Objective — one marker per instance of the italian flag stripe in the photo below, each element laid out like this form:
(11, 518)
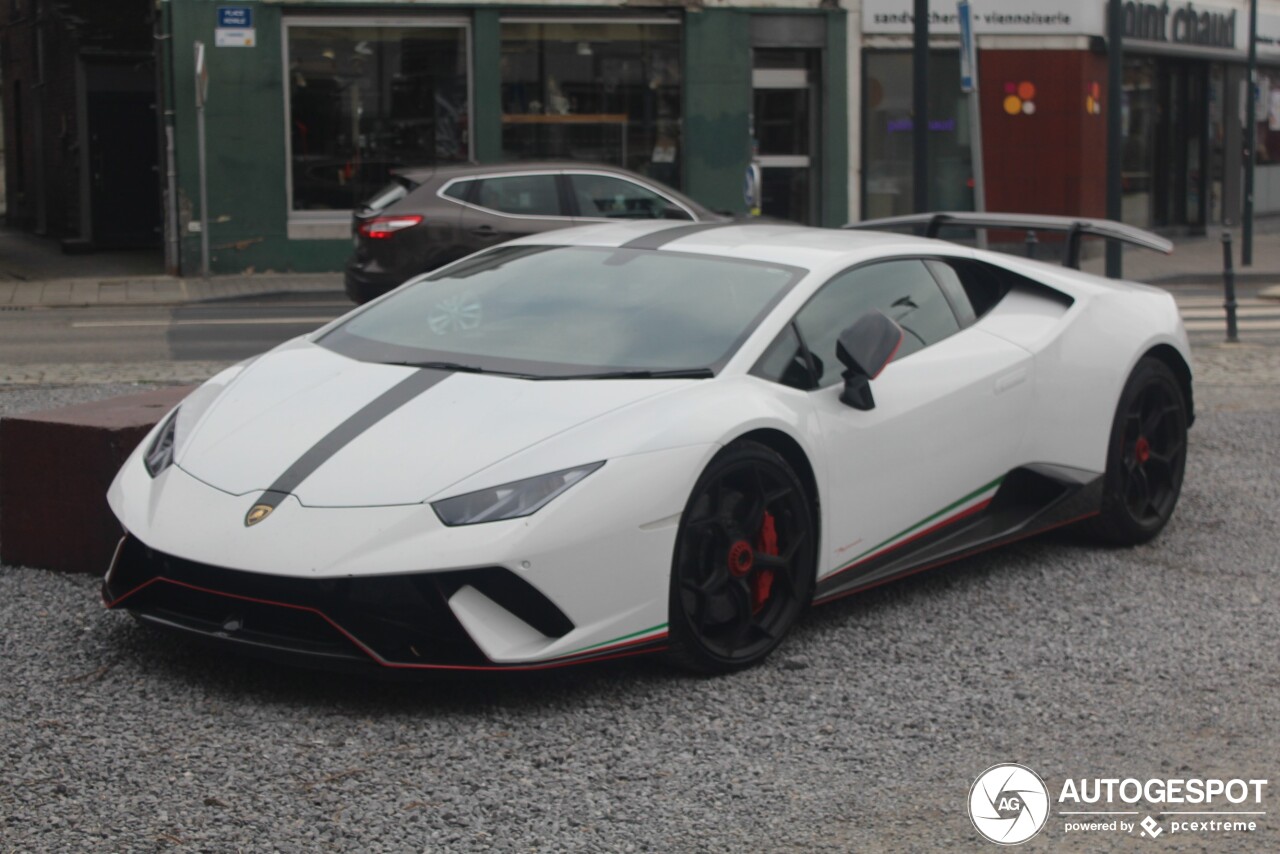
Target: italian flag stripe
(953, 512)
(651, 633)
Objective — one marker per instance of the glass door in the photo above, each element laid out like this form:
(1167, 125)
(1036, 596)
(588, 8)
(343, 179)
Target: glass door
(1183, 146)
(785, 131)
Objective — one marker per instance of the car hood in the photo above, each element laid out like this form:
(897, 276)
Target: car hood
(291, 408)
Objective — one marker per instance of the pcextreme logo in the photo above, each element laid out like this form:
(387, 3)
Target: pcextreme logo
(1009, 804)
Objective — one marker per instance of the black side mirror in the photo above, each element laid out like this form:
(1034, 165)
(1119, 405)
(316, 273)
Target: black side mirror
(864, 349)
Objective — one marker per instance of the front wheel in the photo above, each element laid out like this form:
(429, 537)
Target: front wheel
(743, 569)
(1146, 457)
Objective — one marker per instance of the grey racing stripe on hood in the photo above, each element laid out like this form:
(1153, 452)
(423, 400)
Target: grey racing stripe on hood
(664, 236)
(350, 429)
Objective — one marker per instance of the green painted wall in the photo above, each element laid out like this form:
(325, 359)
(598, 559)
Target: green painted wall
(486, 85)
(717, 106)
(244, 117)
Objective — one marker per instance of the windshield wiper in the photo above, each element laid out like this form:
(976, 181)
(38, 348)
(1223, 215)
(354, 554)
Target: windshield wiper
(462, 368)
(668, 374)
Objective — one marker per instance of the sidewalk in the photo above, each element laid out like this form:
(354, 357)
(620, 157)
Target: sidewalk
(1198, 261)
(162, 290)
(34, 271)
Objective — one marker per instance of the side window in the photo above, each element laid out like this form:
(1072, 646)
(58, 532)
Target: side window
(608, 197)
(459, 190)
(528, 195)
(904, 290)
(984, 284)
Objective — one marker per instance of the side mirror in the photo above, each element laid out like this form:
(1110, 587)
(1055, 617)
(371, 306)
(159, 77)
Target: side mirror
(864, 349)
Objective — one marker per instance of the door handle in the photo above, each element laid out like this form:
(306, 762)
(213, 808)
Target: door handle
(484, 231)
(1013, 378)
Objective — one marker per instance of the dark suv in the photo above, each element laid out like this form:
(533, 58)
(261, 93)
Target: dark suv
(427, 217)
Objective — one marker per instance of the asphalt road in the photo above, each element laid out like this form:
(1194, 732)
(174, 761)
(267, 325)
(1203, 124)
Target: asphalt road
(220, 330)
(864, 732)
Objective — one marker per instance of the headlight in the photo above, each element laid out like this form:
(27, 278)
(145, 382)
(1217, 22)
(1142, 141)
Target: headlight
(159, 455)
(511, 500)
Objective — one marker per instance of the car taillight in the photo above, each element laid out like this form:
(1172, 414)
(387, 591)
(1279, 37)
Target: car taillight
(384, 226)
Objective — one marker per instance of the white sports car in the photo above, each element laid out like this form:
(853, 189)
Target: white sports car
(644, 437)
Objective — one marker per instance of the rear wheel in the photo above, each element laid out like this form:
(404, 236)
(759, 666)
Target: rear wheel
(743, 569)
(1146, 457)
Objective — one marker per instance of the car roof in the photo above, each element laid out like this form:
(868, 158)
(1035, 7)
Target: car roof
(795, 245)
(454, 170)
(443, 173)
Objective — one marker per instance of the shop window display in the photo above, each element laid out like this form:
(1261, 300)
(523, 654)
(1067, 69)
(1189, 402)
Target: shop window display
(364, 100)
(593, 92)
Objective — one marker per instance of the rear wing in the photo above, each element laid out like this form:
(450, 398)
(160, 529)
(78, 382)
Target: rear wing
(1075, 228)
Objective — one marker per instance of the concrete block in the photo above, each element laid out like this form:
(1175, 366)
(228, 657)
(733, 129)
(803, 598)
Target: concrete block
(55, 467)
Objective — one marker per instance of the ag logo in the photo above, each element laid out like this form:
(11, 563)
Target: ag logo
(1008, 804)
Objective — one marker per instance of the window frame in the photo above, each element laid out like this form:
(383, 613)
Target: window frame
(793, 325)
(322, 225)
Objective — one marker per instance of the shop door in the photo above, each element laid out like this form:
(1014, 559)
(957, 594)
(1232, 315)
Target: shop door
(785, 131)
(124, 176)
(1182, 146)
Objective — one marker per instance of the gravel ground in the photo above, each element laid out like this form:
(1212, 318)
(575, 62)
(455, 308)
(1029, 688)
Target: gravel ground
(864, 733)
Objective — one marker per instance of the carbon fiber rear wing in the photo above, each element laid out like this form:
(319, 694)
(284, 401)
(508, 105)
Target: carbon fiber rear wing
(1074, 227)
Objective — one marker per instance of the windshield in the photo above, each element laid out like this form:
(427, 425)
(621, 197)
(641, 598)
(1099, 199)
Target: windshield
(555, 312)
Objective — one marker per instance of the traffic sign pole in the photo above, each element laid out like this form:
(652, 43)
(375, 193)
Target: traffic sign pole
(202, 91)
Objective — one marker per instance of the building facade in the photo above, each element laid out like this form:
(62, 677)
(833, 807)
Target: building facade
(308, 105)
(1043, 68)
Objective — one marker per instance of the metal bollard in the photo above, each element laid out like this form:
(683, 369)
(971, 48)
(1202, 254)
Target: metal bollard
(1030, 244)
(1229, 287)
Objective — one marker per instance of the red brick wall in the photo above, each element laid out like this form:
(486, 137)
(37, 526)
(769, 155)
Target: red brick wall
(1052, 161)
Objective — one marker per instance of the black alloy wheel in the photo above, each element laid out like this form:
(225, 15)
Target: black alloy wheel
(743, 569)
(1146, 457)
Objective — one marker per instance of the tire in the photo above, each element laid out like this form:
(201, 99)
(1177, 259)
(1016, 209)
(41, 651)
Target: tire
(743, 569)
(1146, 457)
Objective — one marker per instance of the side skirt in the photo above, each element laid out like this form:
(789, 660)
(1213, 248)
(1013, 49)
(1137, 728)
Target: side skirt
(1029, 500)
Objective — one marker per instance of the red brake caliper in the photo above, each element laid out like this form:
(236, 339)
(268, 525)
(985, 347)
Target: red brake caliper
(762, 583)
(1142, 450)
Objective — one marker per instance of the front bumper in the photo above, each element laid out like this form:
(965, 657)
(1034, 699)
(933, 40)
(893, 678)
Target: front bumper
(400, 622)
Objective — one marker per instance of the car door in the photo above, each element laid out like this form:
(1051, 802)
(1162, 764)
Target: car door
(945, 427)
(600, 196)
(505, 206)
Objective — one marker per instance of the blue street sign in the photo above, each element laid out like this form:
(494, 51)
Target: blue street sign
(235, 17)
(967, 58)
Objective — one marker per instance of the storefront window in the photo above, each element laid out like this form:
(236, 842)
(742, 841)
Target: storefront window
(366, 99)
(1138, 117)
(597, 92)
(1267, 114)
(888, 129)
